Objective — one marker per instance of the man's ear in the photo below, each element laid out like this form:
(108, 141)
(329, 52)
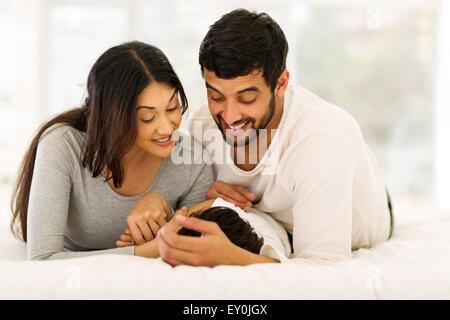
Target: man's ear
(282, 84)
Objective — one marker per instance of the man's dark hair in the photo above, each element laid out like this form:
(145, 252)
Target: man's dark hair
(242, 42)
(235, 228)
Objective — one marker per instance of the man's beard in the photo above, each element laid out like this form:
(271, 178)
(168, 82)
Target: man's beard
(254, 132)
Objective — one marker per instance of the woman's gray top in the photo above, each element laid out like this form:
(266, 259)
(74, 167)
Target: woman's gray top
(71, 214)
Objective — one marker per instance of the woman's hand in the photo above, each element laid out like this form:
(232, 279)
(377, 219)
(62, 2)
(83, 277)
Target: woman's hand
(148, 215)
(238, 195)
(150, 249)
(126, 239)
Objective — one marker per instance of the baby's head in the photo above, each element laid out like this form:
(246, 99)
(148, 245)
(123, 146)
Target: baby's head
(236, 229)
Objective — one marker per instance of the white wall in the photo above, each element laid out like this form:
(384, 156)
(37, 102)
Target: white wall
(48, 47)
(442, 124)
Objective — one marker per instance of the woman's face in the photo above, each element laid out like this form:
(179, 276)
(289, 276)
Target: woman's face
(158, 115)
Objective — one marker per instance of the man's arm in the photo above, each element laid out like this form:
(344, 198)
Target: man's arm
(320, 172)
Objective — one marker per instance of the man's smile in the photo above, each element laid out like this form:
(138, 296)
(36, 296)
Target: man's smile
(235, 129)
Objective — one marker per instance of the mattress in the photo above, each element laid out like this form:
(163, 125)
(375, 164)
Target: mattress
(414, 264)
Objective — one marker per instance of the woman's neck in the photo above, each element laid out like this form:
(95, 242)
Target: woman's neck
(140, 170)
(137, 158)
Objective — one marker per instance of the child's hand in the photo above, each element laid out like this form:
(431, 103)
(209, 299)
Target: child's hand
(126, 239)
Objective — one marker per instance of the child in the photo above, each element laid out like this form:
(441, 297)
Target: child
(235, 228)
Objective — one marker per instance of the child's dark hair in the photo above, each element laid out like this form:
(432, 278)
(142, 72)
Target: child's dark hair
(242, 42)
(236, 229)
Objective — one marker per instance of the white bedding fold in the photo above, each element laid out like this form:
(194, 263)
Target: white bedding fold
(415, 264)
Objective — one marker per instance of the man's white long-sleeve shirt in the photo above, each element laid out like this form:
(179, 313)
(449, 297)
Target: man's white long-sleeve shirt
(318, 178)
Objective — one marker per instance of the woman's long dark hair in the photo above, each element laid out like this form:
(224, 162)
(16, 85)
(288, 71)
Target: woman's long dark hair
(108, 117)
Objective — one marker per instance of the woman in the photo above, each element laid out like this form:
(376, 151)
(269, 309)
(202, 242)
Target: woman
(92, 170)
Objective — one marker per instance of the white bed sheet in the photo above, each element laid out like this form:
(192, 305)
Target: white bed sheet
(414, 264)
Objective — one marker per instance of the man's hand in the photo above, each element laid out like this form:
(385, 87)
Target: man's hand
(238, 195)
(211, 249)
(147, 217)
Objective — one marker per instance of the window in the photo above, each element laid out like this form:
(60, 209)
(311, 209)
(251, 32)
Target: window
(377, 62)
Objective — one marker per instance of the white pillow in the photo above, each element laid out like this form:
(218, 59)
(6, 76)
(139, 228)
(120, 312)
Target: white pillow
(263, 224)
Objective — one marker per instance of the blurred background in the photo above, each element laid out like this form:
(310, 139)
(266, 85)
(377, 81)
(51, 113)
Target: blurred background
(385, 62)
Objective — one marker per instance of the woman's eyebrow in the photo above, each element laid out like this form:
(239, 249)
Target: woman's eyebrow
(152, 108)
(146, 107)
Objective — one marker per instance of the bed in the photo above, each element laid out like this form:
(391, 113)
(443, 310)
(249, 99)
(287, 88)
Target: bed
(414, 264)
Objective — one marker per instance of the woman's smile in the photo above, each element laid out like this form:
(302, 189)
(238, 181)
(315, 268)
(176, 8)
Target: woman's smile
(163, 141)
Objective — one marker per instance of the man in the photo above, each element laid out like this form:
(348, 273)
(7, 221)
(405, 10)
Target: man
(287, 153)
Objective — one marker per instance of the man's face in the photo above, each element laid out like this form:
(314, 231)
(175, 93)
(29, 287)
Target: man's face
(240, 106)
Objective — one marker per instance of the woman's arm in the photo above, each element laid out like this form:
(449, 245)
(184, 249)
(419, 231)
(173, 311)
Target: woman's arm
(48, 208)
(49, 201)
(200, 206)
